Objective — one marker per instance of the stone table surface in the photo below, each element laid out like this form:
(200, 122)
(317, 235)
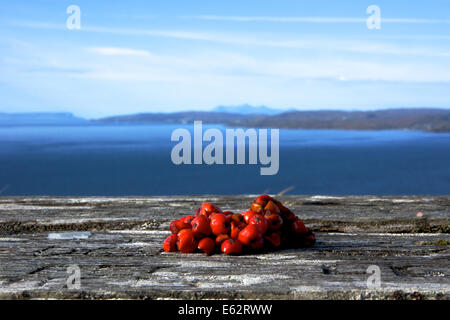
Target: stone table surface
(116, 242)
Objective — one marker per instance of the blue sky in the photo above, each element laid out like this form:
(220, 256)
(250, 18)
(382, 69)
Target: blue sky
(159, 56)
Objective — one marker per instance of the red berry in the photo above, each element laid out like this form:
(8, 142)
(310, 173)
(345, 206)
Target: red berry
(200, 226)
(186, 242)
(231, 246)
(273, 239)
(187, 219)
(169, 244)
(256, 207)
(260, 202)
(206, 245)
(274, 221)
(237, 217)
(208, 208)
(229, 216)
(178, 225)
(259, 220)
(236, 227)
(221, 238)
(272, 208)
(257, 244)
(262, 199)
(249, 234)
(219, 224)
(247, 215)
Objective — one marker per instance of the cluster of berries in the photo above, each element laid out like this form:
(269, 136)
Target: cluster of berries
(268, 225)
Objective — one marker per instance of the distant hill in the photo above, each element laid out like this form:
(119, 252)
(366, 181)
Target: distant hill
(432, 120)
(248, 109)
(177, 117)
(40, 118)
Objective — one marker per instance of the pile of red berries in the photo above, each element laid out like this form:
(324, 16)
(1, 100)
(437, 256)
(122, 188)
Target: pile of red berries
(268, 225)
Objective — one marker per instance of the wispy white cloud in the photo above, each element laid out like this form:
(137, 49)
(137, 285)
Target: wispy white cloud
(277, 19)
(119, 31)
(314, 43)
(415, 20)
(111, 51)
(136, 65)
(314, 19)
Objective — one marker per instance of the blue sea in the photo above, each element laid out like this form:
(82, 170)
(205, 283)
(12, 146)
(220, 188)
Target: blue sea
(119, 160)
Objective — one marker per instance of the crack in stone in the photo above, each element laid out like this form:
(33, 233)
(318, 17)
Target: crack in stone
(38, 269)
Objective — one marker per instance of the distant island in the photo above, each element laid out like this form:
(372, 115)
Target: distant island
(422, 119)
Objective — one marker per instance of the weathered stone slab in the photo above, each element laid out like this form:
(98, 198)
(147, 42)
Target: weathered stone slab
(116, 243)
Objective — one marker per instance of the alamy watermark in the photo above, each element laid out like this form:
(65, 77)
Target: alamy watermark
(73, 282)
(213, 153)
(73, 22)
(374, 280)
(374, 20)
